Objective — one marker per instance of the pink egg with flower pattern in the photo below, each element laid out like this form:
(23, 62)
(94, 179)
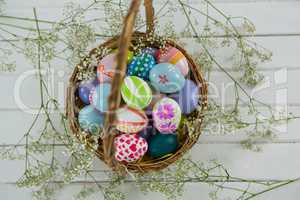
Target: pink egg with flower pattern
(166, 115)
(174, 56)
(106, 68)
(129, 147)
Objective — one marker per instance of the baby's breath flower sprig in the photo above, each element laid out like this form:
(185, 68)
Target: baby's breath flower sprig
(247, 55)
(246, 58)
(150, 39)
(6, 65)
(11, 153)
(39, 172)
(48, 43)
(114, 19)
(171, 181)
(86, 68)
(86, 192)
(47, 191)
(37, 175)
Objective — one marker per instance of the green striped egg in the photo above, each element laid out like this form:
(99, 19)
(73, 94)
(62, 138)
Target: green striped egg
(136, 92)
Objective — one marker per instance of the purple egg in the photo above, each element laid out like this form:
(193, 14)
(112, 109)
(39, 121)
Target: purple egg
(149, 131)
(85, 88)
(187, 97)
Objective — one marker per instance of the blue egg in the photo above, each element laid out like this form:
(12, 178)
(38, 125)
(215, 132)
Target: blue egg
(85, 88)
(141, 65)
(150, 50)
(90, 119)
(99, 96)
(187, 97)
(166, 78)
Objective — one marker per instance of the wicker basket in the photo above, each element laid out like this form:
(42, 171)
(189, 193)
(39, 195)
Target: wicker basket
(105, 150)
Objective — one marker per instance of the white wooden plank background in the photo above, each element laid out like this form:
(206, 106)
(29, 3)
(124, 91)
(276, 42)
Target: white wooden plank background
(278, 29)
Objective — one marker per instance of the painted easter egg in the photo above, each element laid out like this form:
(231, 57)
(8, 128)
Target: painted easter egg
(130, 120)
(129, 55)
(174, 56)
(166, 115)
(148, 131)
(166, 78)
(160, 145)
(99, 96)
(90, 119)
(84, 89)
(156, 96)
(141, 65)
(129, 147)
(187, 97)
(150, 50)
(136, 92)
(106, 68)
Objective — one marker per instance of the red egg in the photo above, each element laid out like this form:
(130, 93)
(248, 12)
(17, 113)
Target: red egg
(129, 147)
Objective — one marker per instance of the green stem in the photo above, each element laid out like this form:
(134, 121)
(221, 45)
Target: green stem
(210, 55)
(18, 27)
(27, 19)
(233, 189)
(39, 57)
(272, 188)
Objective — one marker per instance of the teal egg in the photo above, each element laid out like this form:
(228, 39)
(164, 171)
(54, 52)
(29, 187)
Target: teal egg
(166, 78)
(90, 119)
(162, 144)
(141, 65)
(99, 96)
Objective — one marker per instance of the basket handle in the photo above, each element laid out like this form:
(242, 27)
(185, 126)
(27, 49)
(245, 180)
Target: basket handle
(115, 97)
